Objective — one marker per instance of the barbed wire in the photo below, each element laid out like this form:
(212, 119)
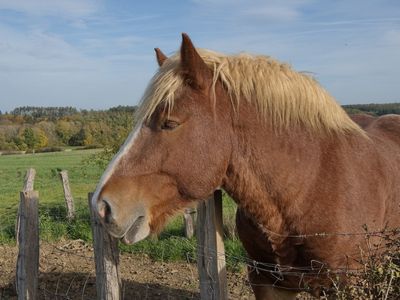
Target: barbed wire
(329, 234)
(274, 266)
(277, 271)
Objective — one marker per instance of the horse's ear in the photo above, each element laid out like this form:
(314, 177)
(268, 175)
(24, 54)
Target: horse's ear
(161, 57)
(194, 69)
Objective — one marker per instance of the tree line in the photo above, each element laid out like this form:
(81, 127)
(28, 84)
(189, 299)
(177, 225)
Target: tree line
(50, 113)
(373, 108)
(33, 128)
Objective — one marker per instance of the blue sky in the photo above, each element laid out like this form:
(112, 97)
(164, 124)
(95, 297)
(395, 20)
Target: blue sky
(99, 54)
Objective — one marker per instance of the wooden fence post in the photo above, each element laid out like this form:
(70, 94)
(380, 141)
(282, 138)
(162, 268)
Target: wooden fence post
(69, 201)
(28, 186)
(210, 249)
(28, 241)
(106, 254)
(29, 179)
(188, 216)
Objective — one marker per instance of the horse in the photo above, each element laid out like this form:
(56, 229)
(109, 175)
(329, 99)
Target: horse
(306, 178)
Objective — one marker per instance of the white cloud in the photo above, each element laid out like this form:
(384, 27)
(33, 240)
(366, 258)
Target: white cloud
(38, 51)
(287, 10)
(69, 8)
(272, 10)
(46, 68)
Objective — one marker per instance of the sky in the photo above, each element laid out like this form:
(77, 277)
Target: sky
(96, 54)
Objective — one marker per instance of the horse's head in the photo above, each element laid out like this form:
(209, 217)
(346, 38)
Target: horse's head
(176, 154)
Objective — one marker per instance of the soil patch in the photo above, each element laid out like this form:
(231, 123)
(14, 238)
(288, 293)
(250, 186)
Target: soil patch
(67, 272)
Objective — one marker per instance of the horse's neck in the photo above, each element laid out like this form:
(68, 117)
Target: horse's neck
(270, 174)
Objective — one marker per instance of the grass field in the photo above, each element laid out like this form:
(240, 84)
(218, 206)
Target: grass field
(171, 244)
(47, 181)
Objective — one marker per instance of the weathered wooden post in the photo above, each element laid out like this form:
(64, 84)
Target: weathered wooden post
(28, 242)
(106, 254)
(69, 201)
(188, 216)
(210, 249)
(28, 186)
(29, 179)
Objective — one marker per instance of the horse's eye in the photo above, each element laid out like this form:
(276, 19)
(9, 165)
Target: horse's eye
(169, 125)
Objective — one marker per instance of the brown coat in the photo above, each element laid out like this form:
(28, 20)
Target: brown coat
(306, 177)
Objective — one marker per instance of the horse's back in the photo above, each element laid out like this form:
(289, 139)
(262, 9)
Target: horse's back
(388, 126)
(363, 120)
(385, 134)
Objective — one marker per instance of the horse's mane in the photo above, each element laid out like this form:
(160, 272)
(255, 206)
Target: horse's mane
(282, 96)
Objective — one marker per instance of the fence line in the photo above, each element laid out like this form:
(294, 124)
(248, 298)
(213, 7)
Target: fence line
(315, 265)
(210, 252)
(211, 267)
(108, 282)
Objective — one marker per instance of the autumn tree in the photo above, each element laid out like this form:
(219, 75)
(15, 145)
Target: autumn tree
(29, 138)
(41, 139)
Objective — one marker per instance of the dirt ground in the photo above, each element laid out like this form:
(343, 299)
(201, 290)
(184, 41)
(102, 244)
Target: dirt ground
(67, 272)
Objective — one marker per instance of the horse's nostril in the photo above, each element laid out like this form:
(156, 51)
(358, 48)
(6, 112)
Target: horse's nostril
(104, 210)
(107, 212)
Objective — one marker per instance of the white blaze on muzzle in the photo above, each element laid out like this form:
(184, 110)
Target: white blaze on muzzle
(129, 142)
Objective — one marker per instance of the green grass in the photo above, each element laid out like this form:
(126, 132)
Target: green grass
(47, 181)
(171, 245)
(51, 199)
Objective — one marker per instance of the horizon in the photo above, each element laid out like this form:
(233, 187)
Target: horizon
(98, 54)
(80, 110)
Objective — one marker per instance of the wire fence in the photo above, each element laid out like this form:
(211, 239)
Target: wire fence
(67, 269)
(369, 262)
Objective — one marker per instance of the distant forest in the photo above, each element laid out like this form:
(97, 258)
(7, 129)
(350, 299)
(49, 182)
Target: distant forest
(31, 128)
(37, 128)
(373, 109)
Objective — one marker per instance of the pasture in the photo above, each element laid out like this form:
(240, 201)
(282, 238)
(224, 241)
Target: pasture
(47, 165)
(66, 253)
(171, 244)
